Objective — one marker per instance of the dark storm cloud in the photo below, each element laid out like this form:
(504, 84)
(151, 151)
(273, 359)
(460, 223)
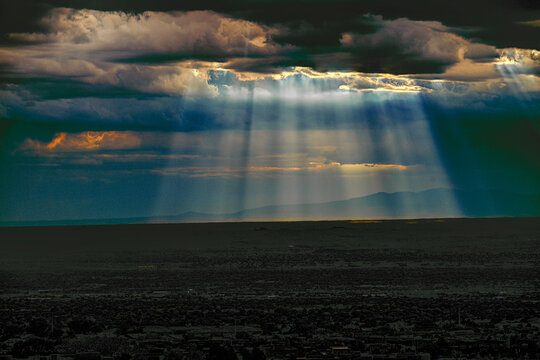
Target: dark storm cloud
(110, 53)
(309, 32)
(497, 22)
(84, 46)
(429, 45)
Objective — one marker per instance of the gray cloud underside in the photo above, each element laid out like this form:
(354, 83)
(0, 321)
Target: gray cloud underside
(104, 47)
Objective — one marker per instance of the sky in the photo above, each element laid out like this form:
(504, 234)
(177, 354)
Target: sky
(121, 109)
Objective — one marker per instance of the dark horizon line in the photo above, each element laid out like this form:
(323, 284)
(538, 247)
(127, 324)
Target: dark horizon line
(363, 221)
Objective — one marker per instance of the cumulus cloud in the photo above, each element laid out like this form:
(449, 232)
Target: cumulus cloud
(430, 50)
(85, 46)
(383, 83)
(508, 67)
(427, 40)
(183, 78)
(527, 60)
(177, 79)
(468, 70)
(195, 32)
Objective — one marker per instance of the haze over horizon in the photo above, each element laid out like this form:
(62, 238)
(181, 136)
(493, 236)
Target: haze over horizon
(122, 109)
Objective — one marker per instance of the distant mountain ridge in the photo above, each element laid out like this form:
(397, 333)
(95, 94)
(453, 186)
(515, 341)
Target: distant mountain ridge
(433, 203)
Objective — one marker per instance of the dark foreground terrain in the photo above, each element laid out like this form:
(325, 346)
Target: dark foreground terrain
(456, 288)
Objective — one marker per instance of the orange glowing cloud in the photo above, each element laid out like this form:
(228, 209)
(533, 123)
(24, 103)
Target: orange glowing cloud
(257, 171)
(363, 167)
(221, 171)
(86, 141)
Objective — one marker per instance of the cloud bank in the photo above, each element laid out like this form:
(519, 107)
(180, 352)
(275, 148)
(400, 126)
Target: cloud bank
(96, 53)
(93, 47)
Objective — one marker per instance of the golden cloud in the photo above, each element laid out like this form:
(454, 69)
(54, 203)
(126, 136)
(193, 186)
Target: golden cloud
(256, 171)
(86, 141)
(535, 23)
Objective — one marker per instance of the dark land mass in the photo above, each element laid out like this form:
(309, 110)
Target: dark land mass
(397, 289)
